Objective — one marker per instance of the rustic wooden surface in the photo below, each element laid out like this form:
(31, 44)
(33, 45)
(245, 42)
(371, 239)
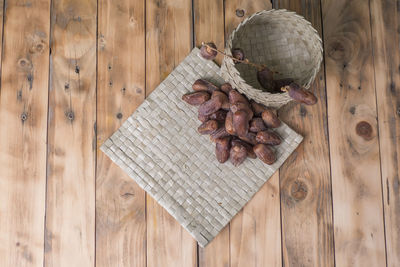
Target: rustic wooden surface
(72, 72)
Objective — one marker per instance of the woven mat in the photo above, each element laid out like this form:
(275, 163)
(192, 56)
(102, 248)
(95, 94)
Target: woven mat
(160, 148)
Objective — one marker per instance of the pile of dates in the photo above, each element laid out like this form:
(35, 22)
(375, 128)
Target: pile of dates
(240, 128)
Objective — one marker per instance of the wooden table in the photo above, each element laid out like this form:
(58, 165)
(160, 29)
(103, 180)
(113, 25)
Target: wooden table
(73, 70)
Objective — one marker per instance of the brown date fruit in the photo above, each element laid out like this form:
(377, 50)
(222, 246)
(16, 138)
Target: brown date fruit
(203, 118)
(196, 98)
(208, 53)
(223, 97)
(300, 94)
(278, 84)
(226, 87)
(257, 125)
(249, 138)
(229, 123)
(268, 138)
(265, 153)
(241, 122)
(235, 96)
(219, 115)
(242, 106)
(203, 85)
(249, 148)
(208, 127)
(257, 107)
(269, 118)
(238, 154)
(210, 106)
(222, 148)
(221, 132)
(266, 79)
(238, 54)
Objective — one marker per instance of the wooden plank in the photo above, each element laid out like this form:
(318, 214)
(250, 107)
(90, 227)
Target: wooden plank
(256, 230)
(354, 147)
(168, 41)
(23, 116)
(120, 202)
(385, 39)
(209, 26)
(255, 236)
(209, 23)
(70, 214)
(306, 203)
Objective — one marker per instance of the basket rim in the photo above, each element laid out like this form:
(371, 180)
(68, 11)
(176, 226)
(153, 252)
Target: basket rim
(228, 64)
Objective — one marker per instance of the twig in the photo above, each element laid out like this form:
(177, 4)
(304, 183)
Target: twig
(246, 61)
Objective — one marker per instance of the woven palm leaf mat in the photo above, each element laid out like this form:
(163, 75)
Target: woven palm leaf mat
(160, 148)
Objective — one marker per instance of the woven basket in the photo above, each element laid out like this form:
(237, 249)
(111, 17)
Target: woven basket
(285, 42)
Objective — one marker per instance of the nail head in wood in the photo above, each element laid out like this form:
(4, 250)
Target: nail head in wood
(24, 116)
(70, 115)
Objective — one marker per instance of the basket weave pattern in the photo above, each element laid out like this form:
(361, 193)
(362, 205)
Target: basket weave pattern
(159, 147)
(284, 41)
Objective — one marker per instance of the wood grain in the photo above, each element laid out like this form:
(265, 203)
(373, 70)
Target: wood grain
(354, 147)
(305, 182)
(255, 238)
(120, 202)
(209, 26)
(256, 230)
(23, 120)
(385, 23)
(70, 214)
(168, 41)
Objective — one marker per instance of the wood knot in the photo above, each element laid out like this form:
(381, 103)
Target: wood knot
(298, 190)
(138, 91)
(70, 115)
(336, 51)
(364, 129)
(24, 63)
(24, 116)
(119, 115)
(77, 69)
(303, 111)
(37, 48)
(127, 191)
(239, 12)
(66, 86)
(398, 111)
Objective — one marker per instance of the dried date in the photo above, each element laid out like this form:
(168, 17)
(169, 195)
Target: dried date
(196, 98)
(265, 153)
(208, 127)
(229, 123)
(270, 119)
(238, 154)
(222, 148)
(241, 122)
(249, 148)
(300, 94)
(203, 85)
(257, 125)
(226, 88)
(268, 138)
(210, 106)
